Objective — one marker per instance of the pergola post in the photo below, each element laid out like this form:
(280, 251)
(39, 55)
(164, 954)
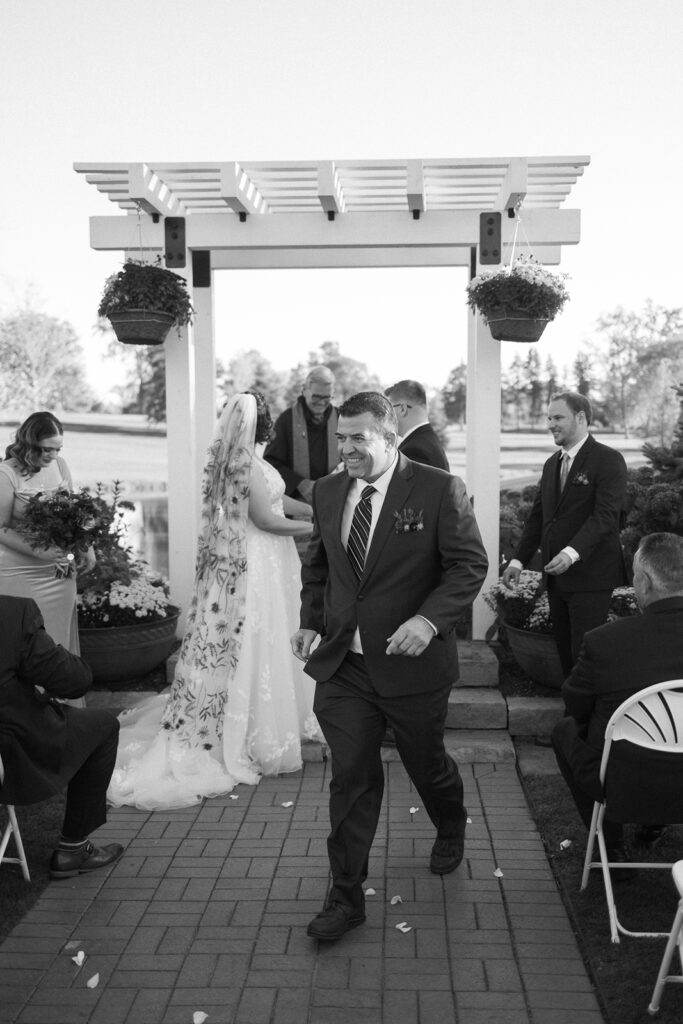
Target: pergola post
(182, 476)
(483, 452)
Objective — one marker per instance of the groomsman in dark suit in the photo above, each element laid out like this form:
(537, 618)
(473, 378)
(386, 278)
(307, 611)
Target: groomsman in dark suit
(395, 557)
(419, 441)
(575, 520)
(48, 746)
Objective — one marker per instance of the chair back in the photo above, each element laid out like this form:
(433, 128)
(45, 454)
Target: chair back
(651, 718)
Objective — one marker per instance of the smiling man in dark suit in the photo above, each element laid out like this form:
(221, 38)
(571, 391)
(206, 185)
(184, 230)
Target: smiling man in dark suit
(575, 520)
(46, 745)
(395, 557)
(418, 441)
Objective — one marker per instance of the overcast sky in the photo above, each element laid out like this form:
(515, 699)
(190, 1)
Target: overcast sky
(144, 80)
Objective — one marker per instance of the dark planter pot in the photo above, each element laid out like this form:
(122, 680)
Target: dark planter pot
(141, 326)
(119, 653)
(516, 328)
(537, 654)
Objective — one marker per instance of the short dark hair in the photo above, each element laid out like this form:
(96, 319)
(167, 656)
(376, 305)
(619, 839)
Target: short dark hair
(377, 405)
(264, 420)
(26, 445)
(576, 402)
(662, 555)
(410, 391)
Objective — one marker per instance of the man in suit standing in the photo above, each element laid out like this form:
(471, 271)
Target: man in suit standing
(47, 745)
(304, 447)
(575, 520)
(616, 661)
(419, 441)
(395, 557)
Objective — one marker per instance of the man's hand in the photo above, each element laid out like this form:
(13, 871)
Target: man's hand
(557, 565)
(301, 643)
(411, 638)
(305, 489)
(511, 576)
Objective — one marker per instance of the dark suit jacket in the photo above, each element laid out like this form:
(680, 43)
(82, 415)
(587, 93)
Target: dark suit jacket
(585, 515)
(436, 571)
(617, 660)
(33, 728)
(424, 446)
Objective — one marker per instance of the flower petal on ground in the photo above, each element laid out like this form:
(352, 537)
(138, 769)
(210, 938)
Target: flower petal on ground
(288, 803)
(414, 810)
(404, 927)
(198, 1017)
(370, 892)
(498, 873)
(395, 899)
(79, 958)
(94, 981)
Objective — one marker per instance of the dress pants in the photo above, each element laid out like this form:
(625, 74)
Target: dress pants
(575, 613)
(353, 718)
(88, 760)
(584, 785)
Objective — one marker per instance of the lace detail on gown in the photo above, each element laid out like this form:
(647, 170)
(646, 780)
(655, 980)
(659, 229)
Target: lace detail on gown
(227, 720)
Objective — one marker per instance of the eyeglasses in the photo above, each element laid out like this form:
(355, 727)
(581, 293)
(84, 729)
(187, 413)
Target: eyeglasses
(397, 405)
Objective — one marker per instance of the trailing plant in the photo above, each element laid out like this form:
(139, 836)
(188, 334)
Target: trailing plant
(149, 286)
(524, 287)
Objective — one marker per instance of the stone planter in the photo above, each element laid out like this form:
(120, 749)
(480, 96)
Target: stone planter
(537, 654)
(119, 653)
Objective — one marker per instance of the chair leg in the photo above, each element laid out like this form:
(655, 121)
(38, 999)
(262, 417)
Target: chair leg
(590, 845)
(12, 828)
(675, 939)
(607, 878)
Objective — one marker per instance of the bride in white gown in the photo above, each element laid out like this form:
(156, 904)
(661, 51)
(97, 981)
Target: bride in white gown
(240, 703)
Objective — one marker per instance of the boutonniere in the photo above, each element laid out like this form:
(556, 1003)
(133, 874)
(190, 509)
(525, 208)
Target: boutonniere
(581, 479)
(408, 521)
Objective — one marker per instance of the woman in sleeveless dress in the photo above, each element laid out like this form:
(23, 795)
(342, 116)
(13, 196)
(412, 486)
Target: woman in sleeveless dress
(240, 704)
(33, 464)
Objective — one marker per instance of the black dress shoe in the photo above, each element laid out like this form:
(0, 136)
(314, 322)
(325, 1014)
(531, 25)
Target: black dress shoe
(446, 855)
(67, 863)
(649, 835)
(334, 921)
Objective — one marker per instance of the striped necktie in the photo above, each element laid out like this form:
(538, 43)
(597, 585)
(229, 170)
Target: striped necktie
(360, 531)
(564, 470)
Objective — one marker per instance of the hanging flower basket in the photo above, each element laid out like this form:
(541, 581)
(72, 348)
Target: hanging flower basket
(518, 301)
(143, 301)
(141, 326)
(516, 327)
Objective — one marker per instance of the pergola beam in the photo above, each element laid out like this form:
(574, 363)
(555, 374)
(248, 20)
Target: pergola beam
(238, 191)
(329, 190)
(514, 188)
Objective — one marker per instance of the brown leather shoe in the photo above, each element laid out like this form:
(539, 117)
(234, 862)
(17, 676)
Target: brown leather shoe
(66, 863)
(334, 921)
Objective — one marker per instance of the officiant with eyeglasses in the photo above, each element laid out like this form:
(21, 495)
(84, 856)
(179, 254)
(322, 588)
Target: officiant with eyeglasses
(34, 465)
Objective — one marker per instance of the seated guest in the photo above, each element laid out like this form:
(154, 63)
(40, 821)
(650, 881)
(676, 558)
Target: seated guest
(47, 745)
(419, 441)
(615, 661)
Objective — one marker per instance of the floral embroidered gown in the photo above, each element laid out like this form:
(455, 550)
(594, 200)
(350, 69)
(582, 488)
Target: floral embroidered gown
(230, 716)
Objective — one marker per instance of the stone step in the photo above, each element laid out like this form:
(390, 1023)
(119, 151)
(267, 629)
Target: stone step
(478, 664)
(533, 716)
(474, 707)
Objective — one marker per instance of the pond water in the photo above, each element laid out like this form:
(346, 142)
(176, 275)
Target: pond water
(148, 530)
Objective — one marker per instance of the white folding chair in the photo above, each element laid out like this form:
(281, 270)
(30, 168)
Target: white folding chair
(651, 719)
(675, 939)
(12, 829)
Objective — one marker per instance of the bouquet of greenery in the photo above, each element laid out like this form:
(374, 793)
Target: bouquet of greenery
(121, 590)
(70, 520)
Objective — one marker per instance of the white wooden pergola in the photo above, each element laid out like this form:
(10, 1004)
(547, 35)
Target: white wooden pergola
(330, 213)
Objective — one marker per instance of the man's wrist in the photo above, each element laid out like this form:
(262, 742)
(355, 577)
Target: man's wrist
(571, 554)
(431, 624)
(515, 563)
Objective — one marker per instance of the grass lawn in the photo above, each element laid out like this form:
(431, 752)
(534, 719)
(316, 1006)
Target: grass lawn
(624, 973)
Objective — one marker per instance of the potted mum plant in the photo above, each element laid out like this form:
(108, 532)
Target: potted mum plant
(519, 300)
(143, 301)
(126, 621)
(523, 622)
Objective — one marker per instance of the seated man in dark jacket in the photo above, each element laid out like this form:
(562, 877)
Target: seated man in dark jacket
(616, 660)
(46, 745)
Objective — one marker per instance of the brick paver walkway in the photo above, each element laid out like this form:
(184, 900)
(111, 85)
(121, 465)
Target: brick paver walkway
(206, 914)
